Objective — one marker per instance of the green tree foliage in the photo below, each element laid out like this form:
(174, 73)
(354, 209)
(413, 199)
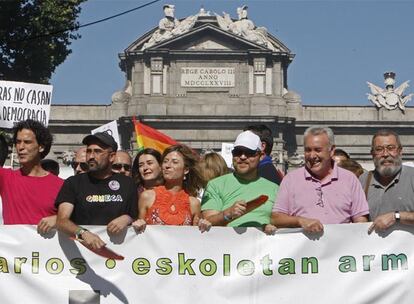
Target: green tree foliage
(32, 37)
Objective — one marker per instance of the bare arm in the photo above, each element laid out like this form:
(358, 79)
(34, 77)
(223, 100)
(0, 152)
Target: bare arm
(282, 220)
(195, 207)
(203, 224)
(146, 199)
(66, 225)
(222, 218)
(119, 224)
(385, 221)
(360, 219)
(63, 219)
(46, 224)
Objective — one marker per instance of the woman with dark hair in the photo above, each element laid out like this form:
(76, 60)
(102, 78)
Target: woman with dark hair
(146, 169)
(175, 202)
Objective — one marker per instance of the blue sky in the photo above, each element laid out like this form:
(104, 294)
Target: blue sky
(339, 45)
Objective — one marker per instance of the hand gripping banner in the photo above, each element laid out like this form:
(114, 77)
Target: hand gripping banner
(224, 265)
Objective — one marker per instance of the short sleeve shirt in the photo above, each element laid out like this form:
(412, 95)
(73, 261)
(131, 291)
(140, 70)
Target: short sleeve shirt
(338, 199)
(222, 192)
(27, 199)
(398, 195)
(99, 201)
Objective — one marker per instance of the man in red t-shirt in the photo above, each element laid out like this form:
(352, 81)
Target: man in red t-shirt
(28, 194)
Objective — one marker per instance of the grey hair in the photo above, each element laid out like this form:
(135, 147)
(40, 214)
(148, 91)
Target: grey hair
(386, 132)
(317, 130)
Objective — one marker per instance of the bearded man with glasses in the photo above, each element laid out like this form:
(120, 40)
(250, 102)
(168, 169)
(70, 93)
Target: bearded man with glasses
(389, 188)
(225, 199)
(320, 192)
(98, 197)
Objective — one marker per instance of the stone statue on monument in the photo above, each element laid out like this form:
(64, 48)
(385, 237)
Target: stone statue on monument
(123, 96)
(169, 26)
(389, 97)
(245, 28)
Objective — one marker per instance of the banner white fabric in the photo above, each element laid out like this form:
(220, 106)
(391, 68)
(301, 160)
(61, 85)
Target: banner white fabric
(224, 265)
(20, 101)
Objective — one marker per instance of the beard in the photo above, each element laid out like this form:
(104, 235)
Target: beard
(388, 170)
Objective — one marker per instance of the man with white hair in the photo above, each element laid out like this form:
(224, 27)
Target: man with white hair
(320, 192)
(390, 187)
(225, 197)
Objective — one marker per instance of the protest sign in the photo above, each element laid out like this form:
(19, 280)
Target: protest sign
(226, 149)
(20, 101)
(112, 129)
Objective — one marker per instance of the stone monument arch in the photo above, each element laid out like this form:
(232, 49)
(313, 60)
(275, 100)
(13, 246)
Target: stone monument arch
(202, 78)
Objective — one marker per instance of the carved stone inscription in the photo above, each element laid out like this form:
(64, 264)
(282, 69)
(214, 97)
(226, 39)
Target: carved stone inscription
(207, 77)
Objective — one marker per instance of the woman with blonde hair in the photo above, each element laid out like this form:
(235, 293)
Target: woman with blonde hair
(175, 202)
(212, 165)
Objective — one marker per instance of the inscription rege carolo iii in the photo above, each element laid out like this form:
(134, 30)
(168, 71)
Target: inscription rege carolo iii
(211, 77)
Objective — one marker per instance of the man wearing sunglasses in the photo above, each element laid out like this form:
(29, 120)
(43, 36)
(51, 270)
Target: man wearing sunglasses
(320, 192)
(79, 164)
(98, 197)
(225, 199)
(389, 188)
(122, 163)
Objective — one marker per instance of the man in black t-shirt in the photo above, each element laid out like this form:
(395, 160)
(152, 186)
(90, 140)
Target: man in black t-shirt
(99, 197)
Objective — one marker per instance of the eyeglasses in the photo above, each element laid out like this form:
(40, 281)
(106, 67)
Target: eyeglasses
(389, 148)
(118, 167)
(319, 193)
(246, 152)
(83, 166)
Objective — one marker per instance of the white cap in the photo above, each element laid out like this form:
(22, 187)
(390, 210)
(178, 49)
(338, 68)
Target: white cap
(248, 140)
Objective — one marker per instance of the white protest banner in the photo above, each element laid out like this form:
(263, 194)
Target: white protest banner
(226, 149)
(20, 101)
(112, 129)
(224, 265)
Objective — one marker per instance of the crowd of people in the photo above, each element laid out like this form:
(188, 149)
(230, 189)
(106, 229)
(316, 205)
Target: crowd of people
(179, 187)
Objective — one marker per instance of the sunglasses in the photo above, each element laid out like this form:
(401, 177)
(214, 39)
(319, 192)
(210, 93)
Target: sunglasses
(320, 202)
(245, 152)
(84, 166)
(118, 167)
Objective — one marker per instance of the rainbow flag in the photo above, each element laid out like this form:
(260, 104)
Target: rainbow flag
(148, 137)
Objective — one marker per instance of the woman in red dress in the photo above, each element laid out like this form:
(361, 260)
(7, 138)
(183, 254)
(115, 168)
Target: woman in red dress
(175, 202)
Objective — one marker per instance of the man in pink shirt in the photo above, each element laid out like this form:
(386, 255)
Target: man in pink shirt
(320, 192)
(28, 194)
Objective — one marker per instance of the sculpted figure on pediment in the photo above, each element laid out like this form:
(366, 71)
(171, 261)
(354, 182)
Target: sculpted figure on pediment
(169, 26)
(245, 28)
(389, 97)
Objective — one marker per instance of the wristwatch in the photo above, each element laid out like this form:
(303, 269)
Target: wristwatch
(79, 232)
(397, 216)
(227, 218)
